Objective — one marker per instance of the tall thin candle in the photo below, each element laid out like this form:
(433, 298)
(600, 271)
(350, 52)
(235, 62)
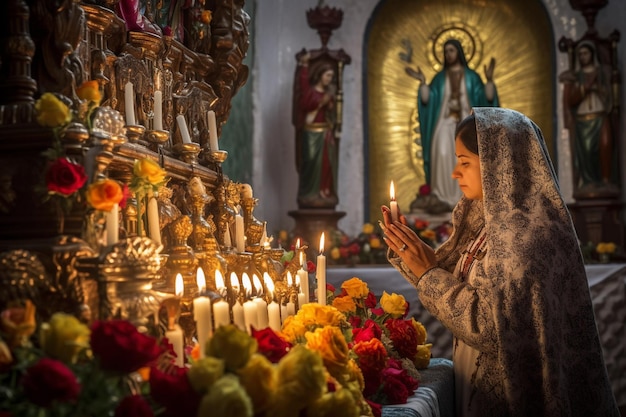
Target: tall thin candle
(262, 314)
(213, 141)
(393, 204)
(250, 314)
(320, 274)
(184, 130)
(303, 276)
(221, 309)
(175, 333)
(158, 110)
(129, 103)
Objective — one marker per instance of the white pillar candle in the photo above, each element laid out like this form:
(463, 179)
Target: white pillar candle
(213, 142)
(250, 314)
(393, 204)
(284, 312)
(291, 306)
(320, 274)
(301, 299)
(158, 110)
(303, 276)
(240, 236)
(175, 337)
(184, 130)
(154, 229)
(238, 316)
(112, 225)
(129, 103)
(202, 312)
(261, 304)
(221, 309)
(273, 311)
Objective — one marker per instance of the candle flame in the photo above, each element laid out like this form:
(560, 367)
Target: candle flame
(298, 243)
(392, 191)
(245, 281)
(219, 280)
(289, 279)
(257, 284)
(269, 284)
(234, 281)
(179, 287)
(322, 243)
(201, 281)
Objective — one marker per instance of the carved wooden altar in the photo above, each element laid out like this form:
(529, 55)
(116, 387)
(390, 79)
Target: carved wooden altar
(54, 46)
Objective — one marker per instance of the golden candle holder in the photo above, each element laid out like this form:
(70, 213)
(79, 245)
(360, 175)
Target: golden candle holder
(157, 138)
(188, 152)
(135, 133)
(217, 157)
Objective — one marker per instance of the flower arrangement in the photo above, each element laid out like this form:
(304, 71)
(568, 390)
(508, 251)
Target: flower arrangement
(357, 329)
(148, 177)
(110, 368)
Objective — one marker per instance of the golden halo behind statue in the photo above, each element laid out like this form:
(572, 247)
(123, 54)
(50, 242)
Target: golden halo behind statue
(465, 34)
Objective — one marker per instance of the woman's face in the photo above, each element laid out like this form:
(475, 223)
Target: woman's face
(451, 54)
(467, 172)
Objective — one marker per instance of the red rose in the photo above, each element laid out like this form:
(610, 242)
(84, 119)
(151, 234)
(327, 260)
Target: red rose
(355, 321)
(270, 344)
(64, 177)
(120, 347)
(354, 249)
(369, 331)
(394, 367)
(50, 380)
(133, 406)
(344, 251)
(404, 337)
(377, 409)
(370, 301)
(330, 287)
(394, 390)
(372, 355)
(310, 267)
(174, 392)
(424, 189)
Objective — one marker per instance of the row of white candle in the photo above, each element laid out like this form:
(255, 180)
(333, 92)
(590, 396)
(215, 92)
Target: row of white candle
(129, 102)
(154, 228)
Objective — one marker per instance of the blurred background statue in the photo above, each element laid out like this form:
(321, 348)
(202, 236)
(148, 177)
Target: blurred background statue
(317, 140)
(588, 102)
(441, 105)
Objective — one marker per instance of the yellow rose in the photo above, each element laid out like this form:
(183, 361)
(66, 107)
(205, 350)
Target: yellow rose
(345, 304)
(293, 329)
(332, 345)
(368, 228)
(90, 91)
(232, 345)
(17, 324)
(149, 170)
(320, 315)
(259, 378)
(355, 288)
(375, 243)
(104, 194)
(421, 331)
(301, 381)
(226, 398)
(328, 404)
(422, 357)
(393, 304)
(63, 337)
(52, 112)
(204, 372)
(335, 253)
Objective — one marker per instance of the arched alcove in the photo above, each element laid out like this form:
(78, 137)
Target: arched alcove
(400, 33)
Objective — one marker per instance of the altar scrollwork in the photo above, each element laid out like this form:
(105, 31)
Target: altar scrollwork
(48, 49)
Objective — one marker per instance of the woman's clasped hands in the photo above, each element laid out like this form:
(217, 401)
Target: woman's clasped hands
(415, 253)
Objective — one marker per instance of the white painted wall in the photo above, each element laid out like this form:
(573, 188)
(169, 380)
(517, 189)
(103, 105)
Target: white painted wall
(281, 31)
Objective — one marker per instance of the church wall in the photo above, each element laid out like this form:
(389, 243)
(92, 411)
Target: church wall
(281, 31)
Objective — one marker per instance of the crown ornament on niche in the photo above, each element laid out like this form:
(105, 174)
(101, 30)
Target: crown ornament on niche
(324, 19)
(589, 9)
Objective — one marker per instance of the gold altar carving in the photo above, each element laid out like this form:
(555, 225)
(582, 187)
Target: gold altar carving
(516, 33)
(70, 265)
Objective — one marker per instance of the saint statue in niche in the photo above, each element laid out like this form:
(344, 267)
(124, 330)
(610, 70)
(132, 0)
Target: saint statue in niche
(442, 104)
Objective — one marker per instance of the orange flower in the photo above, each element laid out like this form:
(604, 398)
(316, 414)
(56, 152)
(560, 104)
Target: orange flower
(355, 288)
(104, 194)
(331, 344)
(344, 304)
(90, 91)
(18, 323)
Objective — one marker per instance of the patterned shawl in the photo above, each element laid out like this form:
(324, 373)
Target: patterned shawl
(530, 314)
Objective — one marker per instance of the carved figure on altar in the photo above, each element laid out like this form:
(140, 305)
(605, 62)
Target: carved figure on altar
(317, 142)
(588, 102)
(441, 105)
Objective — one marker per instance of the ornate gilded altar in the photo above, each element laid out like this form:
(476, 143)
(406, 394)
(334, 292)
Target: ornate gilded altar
(61, 259)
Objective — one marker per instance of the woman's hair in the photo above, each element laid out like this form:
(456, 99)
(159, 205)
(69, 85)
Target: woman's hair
(318, 71)
(466, 131)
